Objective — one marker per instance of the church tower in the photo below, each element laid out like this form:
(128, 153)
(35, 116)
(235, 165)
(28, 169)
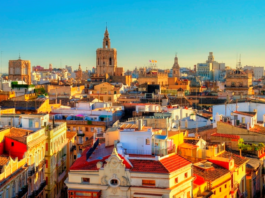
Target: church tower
(175, 68)
(106, 62)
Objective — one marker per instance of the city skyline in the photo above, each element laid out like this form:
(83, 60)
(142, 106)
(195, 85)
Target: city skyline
(69, 34)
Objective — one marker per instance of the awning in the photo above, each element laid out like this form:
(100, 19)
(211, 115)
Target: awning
(147, 195)
(105, 116)
(160, 137)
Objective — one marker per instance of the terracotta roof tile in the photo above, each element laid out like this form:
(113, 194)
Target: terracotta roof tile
(3, 161)
(19, 134)
(174, 162)
(226, 135)
(70, 135)
(212, 173)
(150, 166)
(238, 160)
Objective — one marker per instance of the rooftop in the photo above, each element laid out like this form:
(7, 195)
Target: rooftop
(238, 160)
(246, 113)
(19, 134)
(70, 135)
(226, 135)
(212, 173)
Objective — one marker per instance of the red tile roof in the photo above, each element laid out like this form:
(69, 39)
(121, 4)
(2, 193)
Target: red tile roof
(150, 166)
(174, 162)
(198, 180)
(167, 164)
(100, 155)
(226, 135)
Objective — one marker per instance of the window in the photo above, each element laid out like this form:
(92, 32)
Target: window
(186, 175)
(12, 143)
(37, 124)
(148, 182)
(243, 120)
(92, 129)
(114, 182)
(214, 192)
(86, 138)
(86, 128)
(147, 141)
(242, 168)
(176, 180)
(74, 156)
(30, 123)
(87, 180)
(225, 185)
(220, 189)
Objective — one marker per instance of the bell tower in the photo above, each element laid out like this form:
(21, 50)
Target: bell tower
(106, 62)
(175, 68)
(106, 40)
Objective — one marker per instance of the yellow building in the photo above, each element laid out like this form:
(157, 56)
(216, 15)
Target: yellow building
(6, 95)
(239, 82)
(225, 175)
(71, 149)
(153, 77)
(105, 92)
(56, 152)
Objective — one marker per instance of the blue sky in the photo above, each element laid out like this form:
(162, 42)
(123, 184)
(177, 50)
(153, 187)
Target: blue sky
(69, 32)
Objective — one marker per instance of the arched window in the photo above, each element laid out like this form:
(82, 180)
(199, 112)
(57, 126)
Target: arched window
(110, 61)
(106, 43)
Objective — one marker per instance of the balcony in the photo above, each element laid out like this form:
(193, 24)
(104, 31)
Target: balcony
(31, 172)
(61, 176)
(23, 192)
(37, 192)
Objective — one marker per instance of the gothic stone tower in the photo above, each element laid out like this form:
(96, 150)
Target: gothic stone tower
(20, 70)
(106, 57)
(175, 68)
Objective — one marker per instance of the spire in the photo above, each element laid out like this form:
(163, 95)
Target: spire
(19, 58)
(176, 62)
(106, 40)
(106, 32)
(79, 67)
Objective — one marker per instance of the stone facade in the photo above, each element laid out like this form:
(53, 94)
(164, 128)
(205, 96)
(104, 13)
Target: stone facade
(79, 73)
(152, 77)
(239, 82)
(106, 57)
(20, 70)
(175, 68)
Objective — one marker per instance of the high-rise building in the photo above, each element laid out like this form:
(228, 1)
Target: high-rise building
(106, 57)
(20, 70)
(211, 69)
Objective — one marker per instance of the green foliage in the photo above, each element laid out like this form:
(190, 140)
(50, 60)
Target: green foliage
(247, 147)
(40, 91)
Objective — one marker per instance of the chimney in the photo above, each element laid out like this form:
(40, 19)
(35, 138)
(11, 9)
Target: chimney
(140, 124)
